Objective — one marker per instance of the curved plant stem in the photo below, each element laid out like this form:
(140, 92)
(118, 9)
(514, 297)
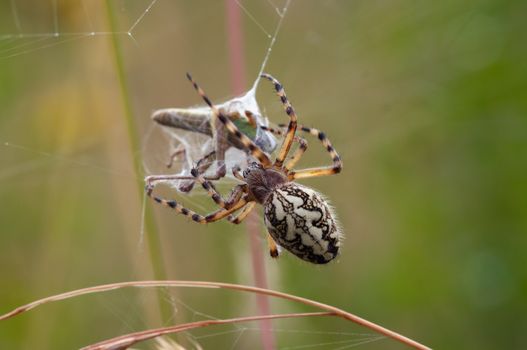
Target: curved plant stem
(127, 340)
(203, 284)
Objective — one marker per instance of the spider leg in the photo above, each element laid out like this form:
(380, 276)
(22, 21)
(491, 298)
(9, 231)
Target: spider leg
(202, 165)
(214, 216)
(252, 148)
(243, 214)
(273, 248)
(187, 181)
(234, 196)
(291, 128)
(319, 171)
(298, 153)
(273, 130)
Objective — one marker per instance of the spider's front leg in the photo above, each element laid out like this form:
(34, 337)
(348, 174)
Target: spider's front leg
(291, 127)
(201, 219)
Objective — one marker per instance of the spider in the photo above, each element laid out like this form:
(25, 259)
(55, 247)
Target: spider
(200, 120)
(297, 217)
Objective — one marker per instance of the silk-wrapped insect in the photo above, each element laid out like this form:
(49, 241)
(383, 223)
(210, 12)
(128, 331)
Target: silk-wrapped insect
(242, 111)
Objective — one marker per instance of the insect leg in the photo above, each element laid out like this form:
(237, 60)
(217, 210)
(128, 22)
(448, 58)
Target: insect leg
(178, 151)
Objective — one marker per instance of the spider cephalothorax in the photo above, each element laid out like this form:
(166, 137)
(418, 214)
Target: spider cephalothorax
(262, 182)
(297, 217)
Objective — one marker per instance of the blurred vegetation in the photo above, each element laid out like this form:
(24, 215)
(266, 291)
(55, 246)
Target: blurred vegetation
(425, 101)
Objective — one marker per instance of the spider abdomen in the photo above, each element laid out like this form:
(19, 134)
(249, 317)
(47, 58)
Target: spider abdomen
(301, 221)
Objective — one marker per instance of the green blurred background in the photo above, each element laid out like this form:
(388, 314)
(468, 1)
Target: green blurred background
(425, 101)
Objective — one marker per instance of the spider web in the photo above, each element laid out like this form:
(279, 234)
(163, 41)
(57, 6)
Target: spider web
(123, 307)
(54, 33)
(241, 335)
(25, 40)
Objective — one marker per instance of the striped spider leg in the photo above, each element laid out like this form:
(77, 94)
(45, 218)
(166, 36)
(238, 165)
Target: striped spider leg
(304, 173)
(335, 168)
(297, 217)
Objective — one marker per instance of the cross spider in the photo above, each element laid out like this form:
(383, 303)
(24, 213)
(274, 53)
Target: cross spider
(297, 217)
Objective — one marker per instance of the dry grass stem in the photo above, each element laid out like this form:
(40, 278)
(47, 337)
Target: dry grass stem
(204, 284)
(125, 341)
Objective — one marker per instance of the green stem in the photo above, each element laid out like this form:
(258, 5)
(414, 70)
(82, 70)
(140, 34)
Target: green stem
(151, 234)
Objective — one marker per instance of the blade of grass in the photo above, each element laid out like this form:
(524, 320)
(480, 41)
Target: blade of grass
(151, 233)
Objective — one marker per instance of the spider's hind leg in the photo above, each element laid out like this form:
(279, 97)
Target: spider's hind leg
(243, 214)
(335, 168)
(274, 250)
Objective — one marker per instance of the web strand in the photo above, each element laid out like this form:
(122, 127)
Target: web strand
(55, 17)
(62, 37)
(271, 44)
(253, 19)
(141, 17)
(15, 16)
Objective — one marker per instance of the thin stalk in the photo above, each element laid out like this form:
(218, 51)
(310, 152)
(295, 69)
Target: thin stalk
(127, 340)
(238, 83)
(151, 233)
